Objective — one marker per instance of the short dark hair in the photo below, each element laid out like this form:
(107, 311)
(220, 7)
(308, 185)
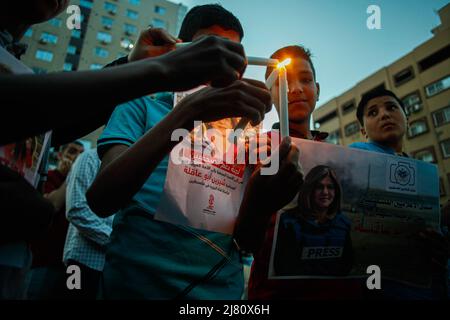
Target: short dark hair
(379, 92)
(65, 146)
(201, 17)
(292, 52)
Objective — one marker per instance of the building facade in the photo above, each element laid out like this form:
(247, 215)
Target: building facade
(421, 79)
(108, 31)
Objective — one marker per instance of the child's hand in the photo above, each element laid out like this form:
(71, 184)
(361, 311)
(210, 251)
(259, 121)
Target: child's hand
(209, 59)
(152, 42)
(270, 193)
(249, 99)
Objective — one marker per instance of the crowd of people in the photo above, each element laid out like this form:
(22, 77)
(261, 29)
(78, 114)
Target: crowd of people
(96, 209)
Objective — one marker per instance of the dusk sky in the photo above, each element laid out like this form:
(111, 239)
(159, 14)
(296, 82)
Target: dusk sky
(344, 50)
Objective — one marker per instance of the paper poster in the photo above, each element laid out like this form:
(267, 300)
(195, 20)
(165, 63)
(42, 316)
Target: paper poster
(368, 211)
(205, 190)
(23, 156)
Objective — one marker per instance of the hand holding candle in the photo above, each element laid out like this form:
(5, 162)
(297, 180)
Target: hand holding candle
(280, 73)
(269, 83)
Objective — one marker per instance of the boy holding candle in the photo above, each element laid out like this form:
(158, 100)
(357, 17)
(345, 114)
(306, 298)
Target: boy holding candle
(265, 195)
(148, 258)
(26, 212)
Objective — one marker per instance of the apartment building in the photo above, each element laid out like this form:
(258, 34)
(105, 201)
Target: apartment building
(421, 79)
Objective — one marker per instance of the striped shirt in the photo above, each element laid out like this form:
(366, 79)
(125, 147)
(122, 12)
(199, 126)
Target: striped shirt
(88, 234)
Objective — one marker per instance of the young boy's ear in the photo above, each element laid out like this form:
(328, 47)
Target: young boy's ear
(318, 90)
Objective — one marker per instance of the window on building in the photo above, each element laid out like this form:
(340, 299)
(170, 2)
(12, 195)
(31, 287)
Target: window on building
(158, 23)
(126, 44)
(438, 86)
(107, 22)
(68, 66)
(427, 155)
(412, 103)
(110, 7)
(104, 37)
(101, 52)
(71, 49)
(86, 3)
(404, 76)
(333, 137)
(56, 22)
(48, 38)
(445, 147)
(351, 128)
(44, 55)
(130, 29)
(325, 118)
(135, 2)
(435, 58)
(417, 128)
(160, 10)
(132, 14)
(29, 33)
(76, 33)
(348, 107)
(441, 116)
(95, 66)
(37, 70)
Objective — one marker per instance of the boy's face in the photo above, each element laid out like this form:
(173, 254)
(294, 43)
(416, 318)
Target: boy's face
(303, 91)
(71, 152)
(384, 120)
(217, 30)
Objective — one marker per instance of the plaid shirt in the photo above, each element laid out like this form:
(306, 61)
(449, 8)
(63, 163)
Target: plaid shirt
(88, 234)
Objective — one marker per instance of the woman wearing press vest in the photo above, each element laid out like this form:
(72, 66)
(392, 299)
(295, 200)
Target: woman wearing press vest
(314, 237)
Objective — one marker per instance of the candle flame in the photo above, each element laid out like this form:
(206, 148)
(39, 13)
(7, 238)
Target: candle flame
(284, 63)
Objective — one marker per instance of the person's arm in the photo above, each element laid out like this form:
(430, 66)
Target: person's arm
(266, 194)
(77, 210)
(24, 213)
(125, 169)
(63, 101)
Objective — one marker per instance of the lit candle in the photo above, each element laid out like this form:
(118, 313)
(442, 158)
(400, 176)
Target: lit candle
(283, 98)
(257, 61)
(182, 44)
(284, 117)
(269, 83)
(262, 61)
(272, 78)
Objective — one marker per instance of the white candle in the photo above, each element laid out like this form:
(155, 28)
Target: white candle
(182, 44)
(269, 83)
(283, 98)
(272, 78)
(262, 61)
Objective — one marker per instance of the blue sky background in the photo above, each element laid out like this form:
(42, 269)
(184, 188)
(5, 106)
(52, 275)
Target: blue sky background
(344, 50)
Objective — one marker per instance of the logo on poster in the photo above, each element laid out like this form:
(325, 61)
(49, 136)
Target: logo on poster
(209, 209)
(211, 202)
(402, 174)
